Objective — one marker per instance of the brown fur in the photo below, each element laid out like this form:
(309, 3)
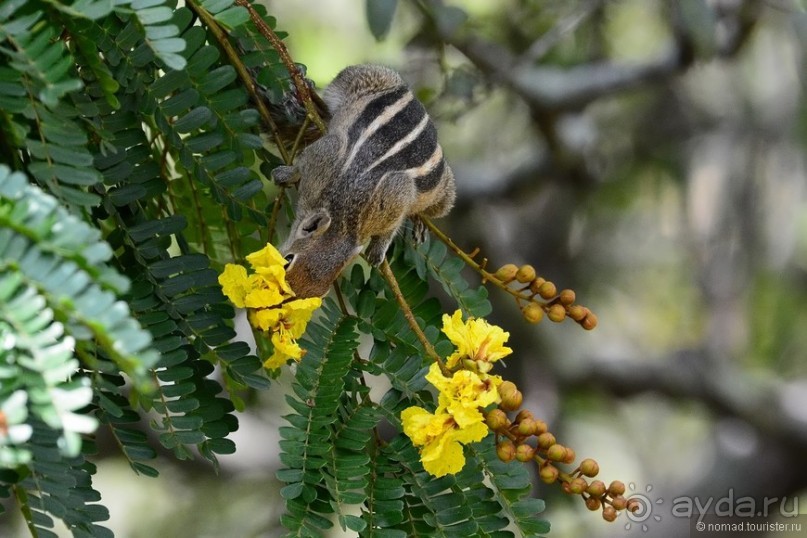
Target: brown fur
(360, 181)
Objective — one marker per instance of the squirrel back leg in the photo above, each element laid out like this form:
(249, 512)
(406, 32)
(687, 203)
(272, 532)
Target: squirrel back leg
(444, 201)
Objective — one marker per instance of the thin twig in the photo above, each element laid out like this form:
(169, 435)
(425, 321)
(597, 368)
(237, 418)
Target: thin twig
(275, 211)
(341, 300)
(299, 82)
(541, 46)
(470, 262)
(386, 272)
(243, 73)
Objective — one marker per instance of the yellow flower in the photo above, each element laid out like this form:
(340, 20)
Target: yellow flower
(464, 393)
(441, 439)
(265, 319)
(268, 256)
(475, 339)
(297, 314)
(285, 348)
(274, 276)
(269, 302)
(263, 294)
(235, 284)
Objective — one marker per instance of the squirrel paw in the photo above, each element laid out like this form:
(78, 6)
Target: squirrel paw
(285, 175)
(376, 251)
(418, 230)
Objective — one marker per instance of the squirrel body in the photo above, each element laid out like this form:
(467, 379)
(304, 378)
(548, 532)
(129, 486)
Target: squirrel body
(378, 163)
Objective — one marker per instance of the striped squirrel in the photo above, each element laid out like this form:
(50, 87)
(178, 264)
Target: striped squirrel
(378, 163)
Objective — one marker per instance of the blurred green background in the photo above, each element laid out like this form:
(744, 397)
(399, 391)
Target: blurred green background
(649, 155)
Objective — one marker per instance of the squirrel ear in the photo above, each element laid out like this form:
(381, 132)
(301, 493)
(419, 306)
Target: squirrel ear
(316, 224)
(285, 175)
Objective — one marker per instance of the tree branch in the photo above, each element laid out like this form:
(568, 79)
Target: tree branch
(688, 375)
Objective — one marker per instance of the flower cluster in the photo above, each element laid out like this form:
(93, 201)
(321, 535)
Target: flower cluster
(514, 441)
(270, 302)
(558, 306)
(465, 388)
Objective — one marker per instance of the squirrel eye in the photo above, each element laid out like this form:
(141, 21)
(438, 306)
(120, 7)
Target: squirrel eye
(290, 258)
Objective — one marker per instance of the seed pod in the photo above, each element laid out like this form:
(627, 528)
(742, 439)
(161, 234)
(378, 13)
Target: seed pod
(619, 502)
(609, 513)
(616, 488)
(589, 467)
(549, 474)
(547, 290)
(533, 313)
(596, 488)
(526, 273)
(506, 450)
(524, 452)
(506, 273)
(567, 297)
(578, 486)
(590, 321)
(546, 440)
(557, 313)
(556, 452)
(593, 503)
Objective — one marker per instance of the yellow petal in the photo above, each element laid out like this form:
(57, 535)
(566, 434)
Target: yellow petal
(443, 456)
(275, 361)
(472, 434)
(288, 346)
(475, 339)
(263, 298)
(275, 277)
(464, 394)
(266, 257)
(265, 319)
(297, 314)
(234, 283)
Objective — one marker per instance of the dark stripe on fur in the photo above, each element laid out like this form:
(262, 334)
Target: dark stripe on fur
(392, 132)
(372, 111)
(417, 152)
(430, 180)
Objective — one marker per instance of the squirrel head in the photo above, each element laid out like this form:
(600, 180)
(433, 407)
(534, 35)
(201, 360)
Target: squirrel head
(316, 253)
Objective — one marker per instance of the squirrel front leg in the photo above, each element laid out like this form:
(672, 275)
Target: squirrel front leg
(390, 203)
(376, 251)
(318, 156)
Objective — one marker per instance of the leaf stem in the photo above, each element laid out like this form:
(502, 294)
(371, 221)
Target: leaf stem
(479, 268)
(25, 508)
(243, 73)
(299, 82)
